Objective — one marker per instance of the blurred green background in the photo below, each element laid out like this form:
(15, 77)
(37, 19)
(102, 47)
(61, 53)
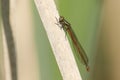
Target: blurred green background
(84, 17)
(99, 37)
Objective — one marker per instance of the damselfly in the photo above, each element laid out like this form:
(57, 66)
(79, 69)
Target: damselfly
(65, 25)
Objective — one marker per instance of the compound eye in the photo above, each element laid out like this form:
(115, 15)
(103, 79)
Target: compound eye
(61, 18)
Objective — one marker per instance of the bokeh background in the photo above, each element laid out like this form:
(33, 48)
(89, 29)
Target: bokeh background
(96, 24)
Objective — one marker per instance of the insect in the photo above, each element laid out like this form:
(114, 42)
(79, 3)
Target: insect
(65, 25)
